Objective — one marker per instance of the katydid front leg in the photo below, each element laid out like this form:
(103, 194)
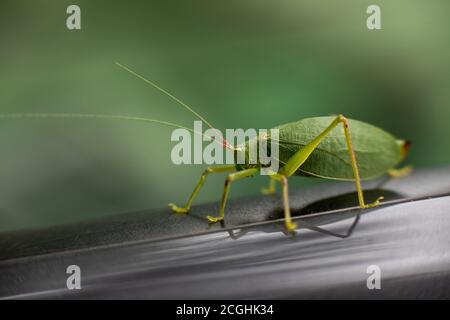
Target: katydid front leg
(187, 207)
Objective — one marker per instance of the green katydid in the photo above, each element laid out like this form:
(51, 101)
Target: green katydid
(318, 147)
(332, 147)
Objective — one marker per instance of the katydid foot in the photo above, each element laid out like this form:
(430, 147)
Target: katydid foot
(374, 204)
(176, 209)
(214, 219)
(290, 227)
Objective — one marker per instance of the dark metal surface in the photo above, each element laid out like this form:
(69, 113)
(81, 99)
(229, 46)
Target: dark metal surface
(159, 255)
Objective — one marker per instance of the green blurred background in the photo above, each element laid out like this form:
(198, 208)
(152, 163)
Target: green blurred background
(241, 63)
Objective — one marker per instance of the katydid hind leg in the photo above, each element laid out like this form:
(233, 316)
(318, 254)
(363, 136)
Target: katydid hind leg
(303, 154)
(231, 178)
(400, 172)
(355, 168)
(186, 208)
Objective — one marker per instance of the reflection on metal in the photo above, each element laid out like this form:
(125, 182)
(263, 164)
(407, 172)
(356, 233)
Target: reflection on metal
(160, 256)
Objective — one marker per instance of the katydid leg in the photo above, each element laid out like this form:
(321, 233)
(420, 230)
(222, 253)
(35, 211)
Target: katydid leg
(231, 177)
(199, 185)
(400, 172)
(300, 157)
(290, 226)
(270, 189)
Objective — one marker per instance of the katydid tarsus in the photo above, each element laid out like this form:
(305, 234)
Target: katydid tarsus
(332, 147)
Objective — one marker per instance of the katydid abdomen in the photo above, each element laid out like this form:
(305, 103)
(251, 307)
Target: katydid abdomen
(376, 150)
